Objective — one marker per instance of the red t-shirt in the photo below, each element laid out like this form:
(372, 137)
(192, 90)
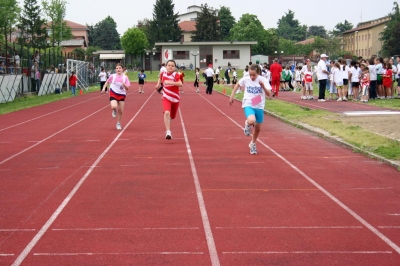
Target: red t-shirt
(72, 80)
(276, 70)
(170, 92)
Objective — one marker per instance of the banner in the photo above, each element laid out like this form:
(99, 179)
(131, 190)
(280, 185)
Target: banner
(167, 54)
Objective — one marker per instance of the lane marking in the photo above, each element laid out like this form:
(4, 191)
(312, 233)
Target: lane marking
(370, 188)
(5, 142)
(49, 137)
(394, 214)
(6, 255)
(323, 190)
(174, 164)
(48, 114)
(123, 139)
(309, 252)
(294, 227)
(48, 168)
(260, 189)
(389, 227)
(203, 211)
(112, 253)
(60, 208)
(92, 140)
(123, 229)
(17, 230)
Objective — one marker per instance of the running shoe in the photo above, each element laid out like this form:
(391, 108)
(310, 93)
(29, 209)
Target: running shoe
(197, 90)
(114, 113)
(247, 129)
(118, 126)
(345, 99)
(339, 100)
(321, 100)
(253, 148)
(168, 135)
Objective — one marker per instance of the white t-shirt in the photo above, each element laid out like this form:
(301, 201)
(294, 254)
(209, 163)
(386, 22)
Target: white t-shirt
(337, 76)
(321, 67)
(162, 70)
(103, 76)
(394, 70)
(268, 74)
(253, 89)
(379, 69)
(355, 73)
(217, 71)
(372, 72)
(246, 73)
(346, 71)
(234, 74)
(298, 75)
(209, 72)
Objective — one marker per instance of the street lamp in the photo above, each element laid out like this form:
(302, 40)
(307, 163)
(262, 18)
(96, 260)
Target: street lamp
(195, 58)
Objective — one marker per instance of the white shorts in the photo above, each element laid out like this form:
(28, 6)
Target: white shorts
(333, 88)
(309, 86)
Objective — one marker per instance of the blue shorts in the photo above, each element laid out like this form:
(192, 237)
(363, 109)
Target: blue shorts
(258, 113)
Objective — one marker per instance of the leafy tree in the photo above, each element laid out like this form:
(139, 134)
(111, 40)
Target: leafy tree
(390, 36)
(226, 22)
(134, 41)
(91, 49)
(290, 28)
(144, 25)
(79, 53)
(207, 28)
(31, 25)
(342, 27)
(105, 35)
(287, 46)
(164, 26)
(249, 28)
(319, 31)
(55, 11)
(9, 12)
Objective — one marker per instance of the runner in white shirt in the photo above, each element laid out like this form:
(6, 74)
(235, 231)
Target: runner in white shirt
(255, 88)
(217, 75)
(395, 75)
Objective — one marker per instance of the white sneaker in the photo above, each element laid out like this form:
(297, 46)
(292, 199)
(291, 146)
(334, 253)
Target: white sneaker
(168, 135)
(311, 97)
(197, 90)
(114, 113)
(253, 148)
(345, 99)
(339, 100)
(118, 126)
(321, 100)
(247, 129)
(303, 98)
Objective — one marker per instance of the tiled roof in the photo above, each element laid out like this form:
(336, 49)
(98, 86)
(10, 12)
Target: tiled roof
(188, 26)
(308, 41)
(73, 42)
(369, 24)
(73, 25)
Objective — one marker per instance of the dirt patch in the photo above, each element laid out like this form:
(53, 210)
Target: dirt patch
(386, 125)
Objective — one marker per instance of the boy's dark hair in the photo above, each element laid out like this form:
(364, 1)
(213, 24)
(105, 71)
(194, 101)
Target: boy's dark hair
(73, 72)
(142, 70)
(233, 68)
(171, 61)
(198, 69)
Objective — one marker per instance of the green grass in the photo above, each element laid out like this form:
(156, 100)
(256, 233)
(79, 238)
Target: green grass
(32, 100)
(153, 76)
(331, 123)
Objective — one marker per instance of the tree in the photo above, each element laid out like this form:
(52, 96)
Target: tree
(226, 22)
(55, 11)
(207, 28)
(164, 26)
(249, 28)
(134, 41)
(9, 13)
(32, 26)
(290, 28)
(79, 53)
(342, 27)
(105, 35)
(144, 25)
(390, 36)
(315, 31)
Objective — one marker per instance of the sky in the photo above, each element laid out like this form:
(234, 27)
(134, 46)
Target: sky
(126, 13)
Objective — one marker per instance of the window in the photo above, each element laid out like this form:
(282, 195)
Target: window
(362, 38)
(181, 54)
(231, 54)
(369, 36)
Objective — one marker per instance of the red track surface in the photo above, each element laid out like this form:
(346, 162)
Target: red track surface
(86, 194)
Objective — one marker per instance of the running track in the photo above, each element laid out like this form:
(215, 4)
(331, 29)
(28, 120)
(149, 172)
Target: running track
(74, 191)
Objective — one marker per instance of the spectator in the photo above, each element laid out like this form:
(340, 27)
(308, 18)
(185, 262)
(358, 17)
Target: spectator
(2, 68)
(276, 70)
(210, 79)
(322, 75)
(33, 79)
(227, 74)
(191, 66)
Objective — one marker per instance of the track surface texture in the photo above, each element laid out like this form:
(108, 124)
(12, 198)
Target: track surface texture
(75, 191)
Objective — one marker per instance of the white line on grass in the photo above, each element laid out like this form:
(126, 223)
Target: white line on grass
(60, 208)
(329, 195)
(203, 211)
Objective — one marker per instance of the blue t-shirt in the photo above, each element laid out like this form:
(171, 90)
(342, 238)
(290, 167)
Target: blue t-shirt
(141, 76)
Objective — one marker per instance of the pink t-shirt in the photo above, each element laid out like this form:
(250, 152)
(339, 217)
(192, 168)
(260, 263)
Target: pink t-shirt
(116, 82)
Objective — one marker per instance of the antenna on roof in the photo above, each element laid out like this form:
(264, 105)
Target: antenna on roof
(361, 16)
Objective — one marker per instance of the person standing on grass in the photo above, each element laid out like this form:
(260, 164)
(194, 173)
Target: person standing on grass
(333, 91)
(196, 79)
(234, 77)
(308, 83)
(337, 79)
(276, 70)
(103, 78)
(372, 79)
(387, 81)
(171, 81)
(217, 75)
(395, 76)
(398, 77)
(303, 73)
(209, 72)
(379, 73)
(255, 87)
(355, 73)
(227, 74)
(364, 82)
(119, 84)
(72, 83)
(162, 70)
(322, 75)
(141, 77)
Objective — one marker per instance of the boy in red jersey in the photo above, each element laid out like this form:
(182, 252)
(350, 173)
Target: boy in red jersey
(170, 100)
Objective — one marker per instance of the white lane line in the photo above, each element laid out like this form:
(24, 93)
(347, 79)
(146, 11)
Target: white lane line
(309, 252)
(394, 214)
(112, 253)
(17, 230)
(60, 208)
(123, 229)
(294, 227)
(323, 190)
(49, 137)
(203, 211)
(92, 140)
(370, 188)
(174, 164)
(5, 142)
(389, 227)
(6, 255)
(48, 114)
(49, 168)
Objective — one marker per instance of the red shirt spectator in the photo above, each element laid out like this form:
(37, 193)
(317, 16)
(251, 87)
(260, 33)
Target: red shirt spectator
(276, 70)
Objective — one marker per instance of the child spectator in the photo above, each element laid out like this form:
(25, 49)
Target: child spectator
(387, 82)
(337, 77)
(308, 83)
(197, 78)
(364, 81)
(72, 83)
(103, 78)
(141, 76)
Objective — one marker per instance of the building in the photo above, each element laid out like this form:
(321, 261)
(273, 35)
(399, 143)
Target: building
(201, 54)
(363, 41)
(80, 39)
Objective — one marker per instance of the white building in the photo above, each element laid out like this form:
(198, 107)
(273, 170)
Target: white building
(201, 54)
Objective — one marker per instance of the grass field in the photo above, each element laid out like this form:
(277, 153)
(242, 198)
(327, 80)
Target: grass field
(329, 122)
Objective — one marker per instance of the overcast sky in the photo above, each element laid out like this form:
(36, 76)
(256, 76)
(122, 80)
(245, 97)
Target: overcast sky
(126, 13)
